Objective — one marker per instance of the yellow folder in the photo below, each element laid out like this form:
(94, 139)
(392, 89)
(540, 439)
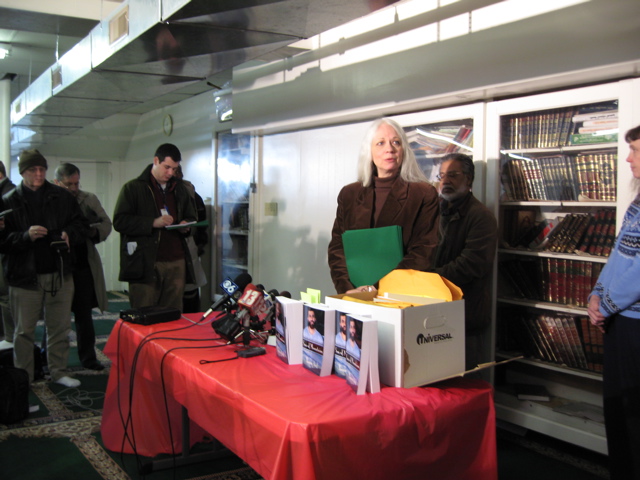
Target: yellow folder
(371, 253)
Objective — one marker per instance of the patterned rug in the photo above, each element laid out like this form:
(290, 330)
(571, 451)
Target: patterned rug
(62, 439)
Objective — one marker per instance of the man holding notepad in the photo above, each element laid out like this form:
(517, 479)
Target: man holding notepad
(153, 258)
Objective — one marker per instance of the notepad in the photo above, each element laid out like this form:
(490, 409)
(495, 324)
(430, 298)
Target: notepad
(203, 223)
(371, 253)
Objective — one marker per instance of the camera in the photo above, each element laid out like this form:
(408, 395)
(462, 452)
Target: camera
(57, 243)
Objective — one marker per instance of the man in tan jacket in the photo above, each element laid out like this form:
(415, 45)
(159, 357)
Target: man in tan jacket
(88, 275)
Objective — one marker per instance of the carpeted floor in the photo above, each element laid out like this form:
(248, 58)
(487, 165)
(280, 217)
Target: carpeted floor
(62, 440)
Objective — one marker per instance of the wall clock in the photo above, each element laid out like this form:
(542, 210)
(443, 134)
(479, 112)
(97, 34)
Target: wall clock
(167, 125)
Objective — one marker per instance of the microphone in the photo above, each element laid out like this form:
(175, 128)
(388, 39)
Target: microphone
(233, 290)
(250, 304)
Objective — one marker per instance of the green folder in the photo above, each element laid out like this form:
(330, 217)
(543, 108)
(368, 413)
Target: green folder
(371, 253)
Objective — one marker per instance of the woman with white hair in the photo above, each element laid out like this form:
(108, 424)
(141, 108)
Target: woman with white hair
(391, 190)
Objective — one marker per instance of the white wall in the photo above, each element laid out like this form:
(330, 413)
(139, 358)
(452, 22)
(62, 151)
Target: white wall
(302, 172)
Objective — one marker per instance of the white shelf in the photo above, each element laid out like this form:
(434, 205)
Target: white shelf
(234, 263)
(545, 254)
(558, 203)
(550, 366)
(554, 307)
(544, 419)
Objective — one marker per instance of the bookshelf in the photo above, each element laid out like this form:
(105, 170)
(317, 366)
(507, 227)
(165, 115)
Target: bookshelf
(233, 188)
(557, 164)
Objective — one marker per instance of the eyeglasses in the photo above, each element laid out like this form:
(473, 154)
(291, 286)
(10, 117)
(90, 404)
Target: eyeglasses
(452, 175)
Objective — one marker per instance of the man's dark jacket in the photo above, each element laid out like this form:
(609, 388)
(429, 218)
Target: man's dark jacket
(61, 213)
(465, 255)
(133, 218)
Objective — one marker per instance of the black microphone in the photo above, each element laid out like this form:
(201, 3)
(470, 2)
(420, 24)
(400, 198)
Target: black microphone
(233, 290)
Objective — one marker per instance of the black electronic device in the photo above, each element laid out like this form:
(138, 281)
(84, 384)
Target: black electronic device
(227, 326)
(252, 352)
(150, 315)
(57, 243)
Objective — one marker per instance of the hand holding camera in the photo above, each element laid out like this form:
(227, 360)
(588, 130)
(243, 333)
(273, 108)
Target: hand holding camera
(60, 242)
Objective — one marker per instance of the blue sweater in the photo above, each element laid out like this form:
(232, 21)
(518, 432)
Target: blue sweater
(619, 283)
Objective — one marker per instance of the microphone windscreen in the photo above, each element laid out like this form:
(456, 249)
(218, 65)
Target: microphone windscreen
(243, 280)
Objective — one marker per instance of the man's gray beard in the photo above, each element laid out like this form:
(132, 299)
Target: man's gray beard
(450, 197)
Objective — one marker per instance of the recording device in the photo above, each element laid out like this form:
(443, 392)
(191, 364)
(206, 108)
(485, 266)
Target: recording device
(232, 291)
(227, 326)
(57, 243)
(150, 315)
(252, 352)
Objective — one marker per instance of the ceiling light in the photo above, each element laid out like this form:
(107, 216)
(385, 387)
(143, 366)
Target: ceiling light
(4, 52)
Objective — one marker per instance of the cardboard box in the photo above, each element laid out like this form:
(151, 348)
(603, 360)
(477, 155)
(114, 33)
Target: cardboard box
(416, 345)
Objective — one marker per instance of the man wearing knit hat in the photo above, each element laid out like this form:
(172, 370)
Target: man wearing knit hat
(44, 225)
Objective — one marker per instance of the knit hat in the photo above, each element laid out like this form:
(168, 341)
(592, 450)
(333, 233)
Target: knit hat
(31, 158)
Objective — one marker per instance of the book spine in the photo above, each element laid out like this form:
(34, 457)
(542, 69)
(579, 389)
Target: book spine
(548, 326)
(586, 240)
(589, 139)
(608, 115)
(586, 341)
(540, 327)
(578, 347)
(610, 235)
(578, 233)
(567, 344)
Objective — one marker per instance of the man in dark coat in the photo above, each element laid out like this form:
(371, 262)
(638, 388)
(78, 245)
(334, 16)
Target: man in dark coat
(154, 259)
(466, 250)
(41, 232)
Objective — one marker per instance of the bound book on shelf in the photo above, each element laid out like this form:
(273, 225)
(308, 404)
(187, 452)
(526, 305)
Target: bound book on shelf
(362, 354)
(289, 320)
(318, 338)
(530, 391)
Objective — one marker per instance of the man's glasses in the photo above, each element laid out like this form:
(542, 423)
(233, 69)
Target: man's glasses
(451, 175)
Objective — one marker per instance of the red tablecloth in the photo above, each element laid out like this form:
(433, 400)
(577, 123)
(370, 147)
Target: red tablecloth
(286, 422)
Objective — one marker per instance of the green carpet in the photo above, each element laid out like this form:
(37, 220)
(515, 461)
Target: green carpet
(62, 439)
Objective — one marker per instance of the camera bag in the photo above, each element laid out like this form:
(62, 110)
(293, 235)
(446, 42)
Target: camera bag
(14, 394)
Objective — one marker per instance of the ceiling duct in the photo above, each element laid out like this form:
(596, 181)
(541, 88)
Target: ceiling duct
(152, 53)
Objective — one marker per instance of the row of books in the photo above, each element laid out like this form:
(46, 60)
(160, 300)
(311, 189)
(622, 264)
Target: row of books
(561, 177)
(554, 280)
(326, 342)
(566, 340)
(580, 233)
(560, 127)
